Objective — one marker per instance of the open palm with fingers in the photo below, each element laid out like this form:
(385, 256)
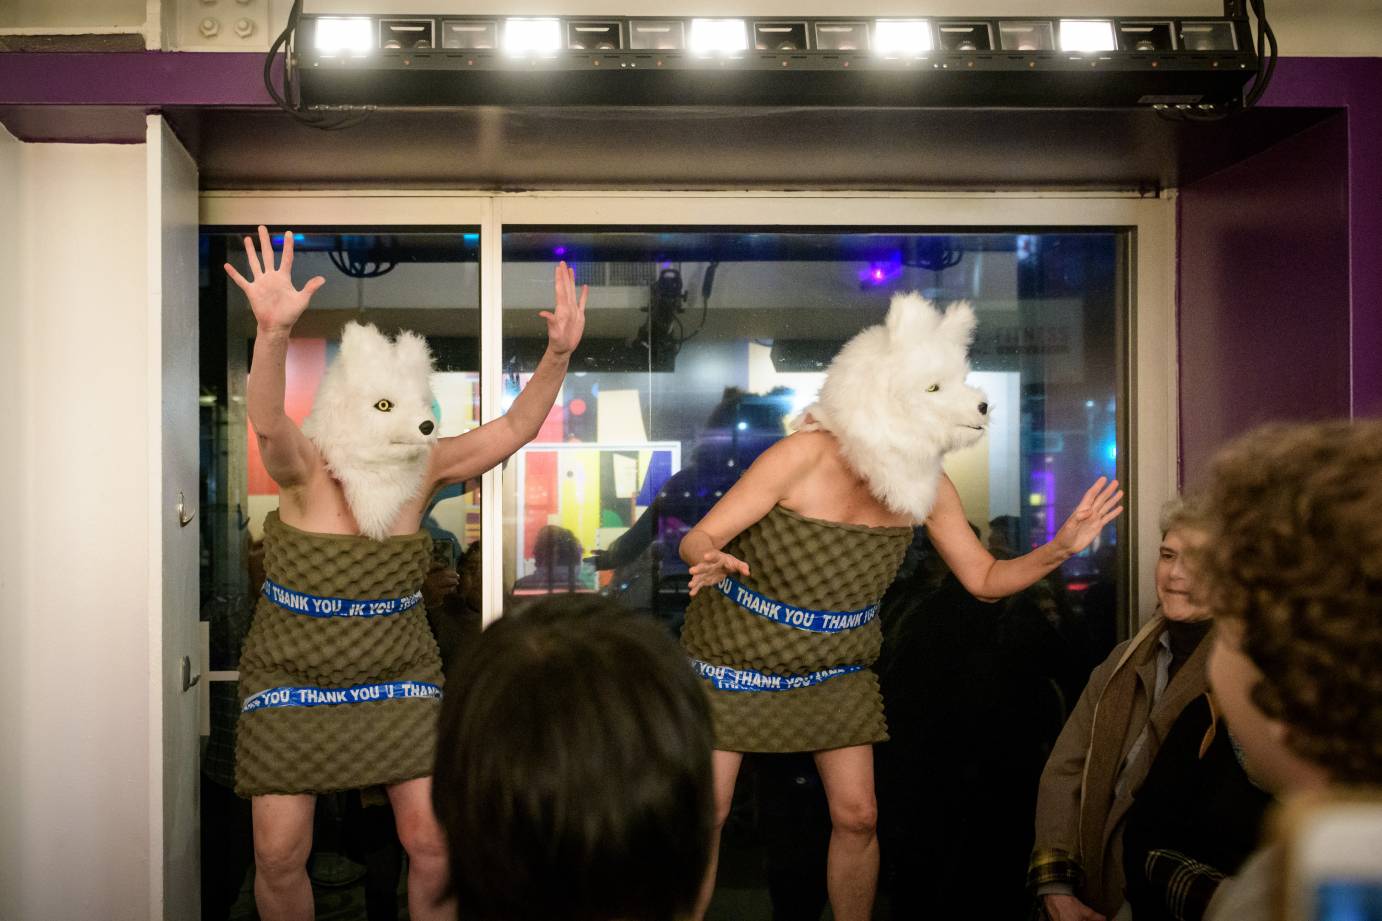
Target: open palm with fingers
(1101, 504)
(566, 322)
(275, 302)
(713, 567)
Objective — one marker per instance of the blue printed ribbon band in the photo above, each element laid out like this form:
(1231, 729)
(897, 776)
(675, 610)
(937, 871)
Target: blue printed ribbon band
(726, 678)
(290, 599)
(783, 613)
(327, 697)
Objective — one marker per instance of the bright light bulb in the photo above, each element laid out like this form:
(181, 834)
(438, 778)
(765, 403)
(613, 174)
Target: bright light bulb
(354, 35)
(1087, 35)
(902, 37)
(719, 36)
(532, 36)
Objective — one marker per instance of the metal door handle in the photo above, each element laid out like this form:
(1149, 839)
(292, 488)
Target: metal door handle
(189, 680)
(184, 519)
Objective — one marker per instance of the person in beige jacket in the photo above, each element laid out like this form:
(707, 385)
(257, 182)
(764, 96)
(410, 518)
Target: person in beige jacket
(1111, 738)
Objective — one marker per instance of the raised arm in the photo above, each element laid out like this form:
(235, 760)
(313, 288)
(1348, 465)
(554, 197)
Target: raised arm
(988, 579)
(462, 457)
(762, 486)
(287, 453)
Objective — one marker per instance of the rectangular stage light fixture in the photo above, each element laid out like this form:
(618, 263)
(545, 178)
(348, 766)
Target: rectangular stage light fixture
(902, 38)
(779, 36)
(1208, 36)
(470, 34)
(532, 36)
(469, 59)
(657, 35)
(344, 35)
(1087, 36)
(842, 36)
(1027, 36)
(965, 36)
(405, 34)
(593, 36)
(1146, 37)
(719, 36)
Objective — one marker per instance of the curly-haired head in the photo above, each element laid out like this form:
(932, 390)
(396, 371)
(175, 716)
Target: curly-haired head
(1293, 515)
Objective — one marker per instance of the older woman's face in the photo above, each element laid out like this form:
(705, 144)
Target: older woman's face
(1173, 579)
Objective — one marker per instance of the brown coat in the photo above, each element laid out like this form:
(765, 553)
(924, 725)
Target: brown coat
(1091, 827)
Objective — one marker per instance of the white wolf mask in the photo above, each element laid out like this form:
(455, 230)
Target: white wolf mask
(372, 421)
(896, 400)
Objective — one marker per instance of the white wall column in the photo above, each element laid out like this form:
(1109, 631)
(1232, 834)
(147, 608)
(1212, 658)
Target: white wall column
(74, 557)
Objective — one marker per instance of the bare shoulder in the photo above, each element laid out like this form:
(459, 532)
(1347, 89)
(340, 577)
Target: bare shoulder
(802, 449)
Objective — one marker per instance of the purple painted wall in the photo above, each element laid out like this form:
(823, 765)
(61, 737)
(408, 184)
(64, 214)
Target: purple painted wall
(1280, 281)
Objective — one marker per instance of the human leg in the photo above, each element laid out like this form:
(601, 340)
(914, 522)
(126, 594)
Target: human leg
(852, 865)
(725, 766)
(282, 840)
(425, 842)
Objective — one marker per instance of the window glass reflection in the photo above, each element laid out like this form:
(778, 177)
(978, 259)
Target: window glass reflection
(425, 282)
(700, 349)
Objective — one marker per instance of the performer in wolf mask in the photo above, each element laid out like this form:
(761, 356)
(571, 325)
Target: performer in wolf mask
(340, 674)
(788, 568)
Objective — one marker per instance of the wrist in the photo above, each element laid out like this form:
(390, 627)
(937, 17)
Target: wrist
(558, 355)
(274, 330)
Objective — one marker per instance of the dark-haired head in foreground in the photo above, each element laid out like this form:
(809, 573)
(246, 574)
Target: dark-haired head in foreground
(573, 769)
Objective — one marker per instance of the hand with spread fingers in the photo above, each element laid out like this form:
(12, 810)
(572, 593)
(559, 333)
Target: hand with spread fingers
(1101, 504)
(713, 567)
(566, 321)
(273, 299)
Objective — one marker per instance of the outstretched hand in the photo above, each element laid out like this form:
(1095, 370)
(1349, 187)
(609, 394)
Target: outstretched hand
(1100, 505)
(713, 567)
(273, 299)
(566, 322)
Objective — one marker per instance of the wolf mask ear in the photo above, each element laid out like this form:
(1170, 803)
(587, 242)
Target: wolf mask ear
(911, 318)
(413, 354)
(362, 344)
(958, 324)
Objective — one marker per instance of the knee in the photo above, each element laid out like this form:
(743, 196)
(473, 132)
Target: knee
(855, 817)
(279, 857)
(423, 839)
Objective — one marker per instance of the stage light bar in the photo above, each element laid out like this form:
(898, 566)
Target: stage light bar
(344, 35)
(532, 36)
(1087, 36)
(469, 58)
(902, 37)
(719, 36)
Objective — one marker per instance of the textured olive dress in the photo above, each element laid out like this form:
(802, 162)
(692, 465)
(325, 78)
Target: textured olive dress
(824, 573)
(340, 678)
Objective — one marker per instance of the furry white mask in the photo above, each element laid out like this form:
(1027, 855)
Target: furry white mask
(896, 400)
(372, 421)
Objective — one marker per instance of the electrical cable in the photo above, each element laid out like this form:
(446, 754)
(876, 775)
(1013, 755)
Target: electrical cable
(284, 100)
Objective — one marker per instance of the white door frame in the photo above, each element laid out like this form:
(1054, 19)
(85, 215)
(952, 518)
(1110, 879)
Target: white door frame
(1151, 350)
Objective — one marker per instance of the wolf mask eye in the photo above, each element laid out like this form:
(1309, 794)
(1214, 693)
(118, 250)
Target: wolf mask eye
(933, 388)
(383, 406)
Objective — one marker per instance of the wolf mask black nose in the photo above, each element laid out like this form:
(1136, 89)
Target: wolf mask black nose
(983, 409)
(426, 427)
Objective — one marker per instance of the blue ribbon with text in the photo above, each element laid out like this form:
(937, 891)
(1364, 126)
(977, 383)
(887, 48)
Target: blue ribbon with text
(327, 697)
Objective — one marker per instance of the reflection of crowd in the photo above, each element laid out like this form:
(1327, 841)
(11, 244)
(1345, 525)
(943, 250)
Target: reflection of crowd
(648, 574)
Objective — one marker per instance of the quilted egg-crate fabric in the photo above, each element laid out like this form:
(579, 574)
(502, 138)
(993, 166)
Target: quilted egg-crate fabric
(817, 565)
(346, 746)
